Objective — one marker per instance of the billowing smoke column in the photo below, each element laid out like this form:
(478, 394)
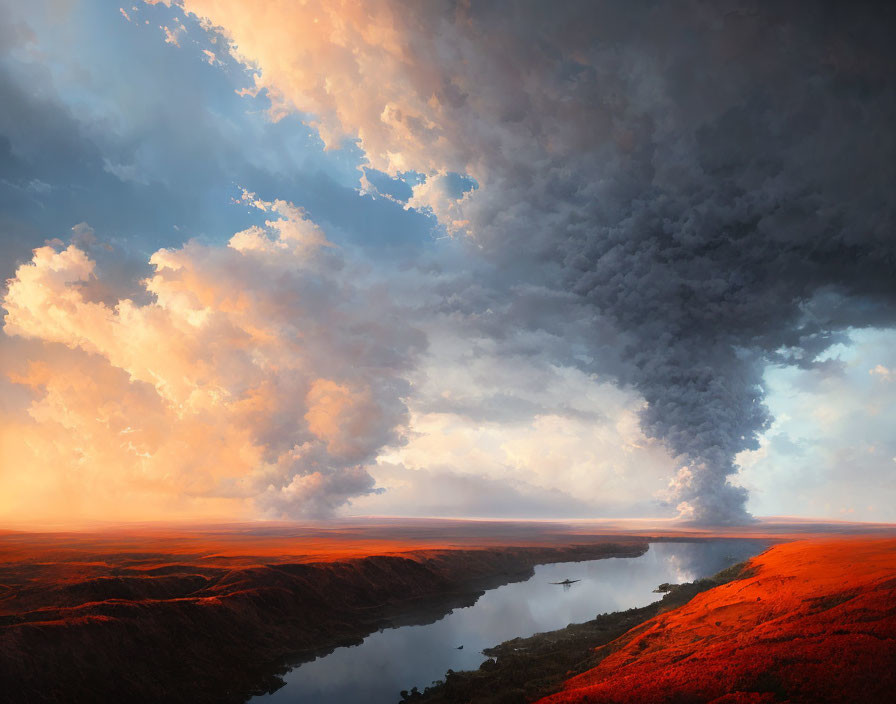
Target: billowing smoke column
(715, 179)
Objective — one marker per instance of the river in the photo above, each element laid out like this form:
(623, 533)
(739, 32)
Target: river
(395, 659)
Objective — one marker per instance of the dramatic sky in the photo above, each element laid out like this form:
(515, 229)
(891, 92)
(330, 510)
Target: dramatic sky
(284, 259)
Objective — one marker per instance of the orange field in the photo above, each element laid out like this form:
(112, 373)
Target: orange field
(815, 621)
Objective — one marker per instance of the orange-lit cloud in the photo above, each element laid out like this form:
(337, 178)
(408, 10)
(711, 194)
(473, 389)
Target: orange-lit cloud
(258, 377)
(353, 67)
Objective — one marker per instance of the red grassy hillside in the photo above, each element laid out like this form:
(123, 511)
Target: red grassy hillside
(814, 622)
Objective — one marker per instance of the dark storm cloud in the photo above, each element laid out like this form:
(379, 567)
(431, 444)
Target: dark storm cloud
(769, 183)
(706, 218)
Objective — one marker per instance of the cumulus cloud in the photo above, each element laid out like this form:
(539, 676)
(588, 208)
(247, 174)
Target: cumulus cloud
(715, 181)
(263, 372)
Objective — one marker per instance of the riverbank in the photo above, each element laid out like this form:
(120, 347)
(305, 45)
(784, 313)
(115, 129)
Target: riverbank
(131, 622)
(807, 621)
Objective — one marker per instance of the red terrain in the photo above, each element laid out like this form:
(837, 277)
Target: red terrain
(210, 615)
(810, 621)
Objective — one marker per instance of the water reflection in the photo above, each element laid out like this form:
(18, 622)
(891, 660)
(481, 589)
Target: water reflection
(400, 658)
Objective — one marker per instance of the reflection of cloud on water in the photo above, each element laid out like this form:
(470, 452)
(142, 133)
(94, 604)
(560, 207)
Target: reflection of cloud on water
(690, 561)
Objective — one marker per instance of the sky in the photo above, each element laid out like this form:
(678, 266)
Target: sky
(281, 260)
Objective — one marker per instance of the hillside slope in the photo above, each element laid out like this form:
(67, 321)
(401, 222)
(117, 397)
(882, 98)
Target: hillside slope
(810, 621)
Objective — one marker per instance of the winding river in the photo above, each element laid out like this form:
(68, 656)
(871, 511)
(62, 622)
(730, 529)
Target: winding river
(399, 658)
